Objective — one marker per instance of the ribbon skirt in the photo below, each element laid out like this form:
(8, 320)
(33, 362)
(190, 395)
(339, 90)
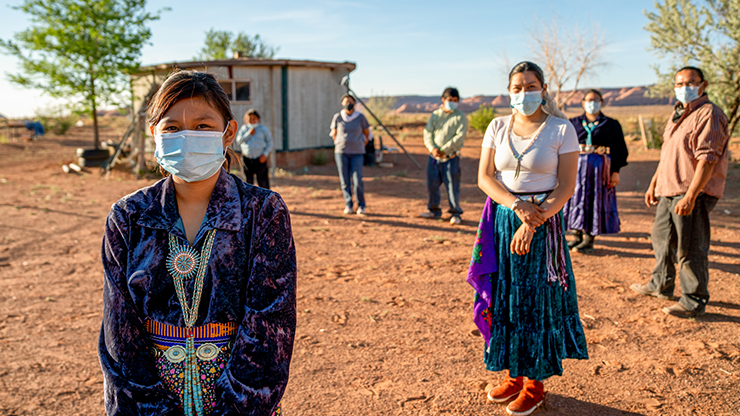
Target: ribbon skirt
(593, 207)
(534, 321)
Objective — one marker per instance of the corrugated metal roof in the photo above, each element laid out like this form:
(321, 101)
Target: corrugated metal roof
(350, 66)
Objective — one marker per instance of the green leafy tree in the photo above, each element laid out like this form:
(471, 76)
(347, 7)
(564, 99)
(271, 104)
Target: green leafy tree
(705, 34)
(382, 107)
(222, 44)
(481, 118)
(80, 50)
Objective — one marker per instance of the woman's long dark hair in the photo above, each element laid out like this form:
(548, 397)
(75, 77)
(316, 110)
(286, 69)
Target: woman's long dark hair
(181, 85)
(593, 91)
(527, 66)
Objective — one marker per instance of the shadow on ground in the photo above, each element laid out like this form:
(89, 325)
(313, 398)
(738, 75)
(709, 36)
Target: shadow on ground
(563, 405)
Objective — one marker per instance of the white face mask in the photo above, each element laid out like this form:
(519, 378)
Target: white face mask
(687, 94)
(592, 107)
(189, 154)
(527, 102)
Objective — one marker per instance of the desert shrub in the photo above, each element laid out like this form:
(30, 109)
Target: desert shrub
(319, 159)
(481, 118)
(382, 108)
(56, 120)
(63, 124)
(654, 133)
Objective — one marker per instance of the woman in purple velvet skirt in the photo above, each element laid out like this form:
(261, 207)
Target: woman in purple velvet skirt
(592, 210)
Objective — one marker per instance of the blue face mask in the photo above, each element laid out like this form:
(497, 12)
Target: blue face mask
(526, 102)
(592, 107)
(190, 155)
(687, 94)
(450, 105)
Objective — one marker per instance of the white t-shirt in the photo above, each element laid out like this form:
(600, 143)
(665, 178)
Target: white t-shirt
(539, 168)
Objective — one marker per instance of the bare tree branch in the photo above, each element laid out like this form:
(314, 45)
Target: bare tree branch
(567, 54)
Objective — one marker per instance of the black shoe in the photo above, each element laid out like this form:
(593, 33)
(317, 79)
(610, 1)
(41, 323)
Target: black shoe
(678, 310)
(586, 246)
(578, 234)
(643, 290)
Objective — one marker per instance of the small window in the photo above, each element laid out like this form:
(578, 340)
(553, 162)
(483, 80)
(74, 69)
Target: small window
(228, 88)
(242, 91)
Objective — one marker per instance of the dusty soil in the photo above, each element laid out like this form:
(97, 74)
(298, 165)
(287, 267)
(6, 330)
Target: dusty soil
(384, 312)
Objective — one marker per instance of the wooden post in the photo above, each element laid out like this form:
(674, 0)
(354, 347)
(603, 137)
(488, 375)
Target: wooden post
(273, 154)
(652, 136)
(642, 131)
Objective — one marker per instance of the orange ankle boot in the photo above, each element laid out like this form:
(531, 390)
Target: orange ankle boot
(508, 389)
(530, 398)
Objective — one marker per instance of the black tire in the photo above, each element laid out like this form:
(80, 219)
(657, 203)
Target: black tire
(90, 163)
(93, 154)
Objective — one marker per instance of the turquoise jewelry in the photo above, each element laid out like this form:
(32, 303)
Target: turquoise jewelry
(182, 262)
(511, 146)
(589, 127)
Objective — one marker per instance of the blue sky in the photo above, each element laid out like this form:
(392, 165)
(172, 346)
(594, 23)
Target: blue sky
(401, 47)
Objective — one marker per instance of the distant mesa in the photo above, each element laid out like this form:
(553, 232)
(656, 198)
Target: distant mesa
(615, 97)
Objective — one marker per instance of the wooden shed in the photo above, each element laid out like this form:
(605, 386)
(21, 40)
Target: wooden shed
(296, 99)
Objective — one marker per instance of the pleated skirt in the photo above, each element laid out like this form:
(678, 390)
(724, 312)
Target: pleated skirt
(534, 321)
(593, 207)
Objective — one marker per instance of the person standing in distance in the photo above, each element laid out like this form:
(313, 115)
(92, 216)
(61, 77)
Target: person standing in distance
(592, 210)
(687, 184)
(351, 133)
(444, 137)
(254, 142)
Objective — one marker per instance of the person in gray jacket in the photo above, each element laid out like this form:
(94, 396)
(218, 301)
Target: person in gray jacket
(350, 132)
(254, 142)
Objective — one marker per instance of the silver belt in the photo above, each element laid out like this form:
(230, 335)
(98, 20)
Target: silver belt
(589, 148)
(176, 353)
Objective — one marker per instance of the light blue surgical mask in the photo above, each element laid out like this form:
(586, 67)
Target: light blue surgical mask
(687, 94)
(450, 105)
(189, 154)
(526, 102)
(592, 107)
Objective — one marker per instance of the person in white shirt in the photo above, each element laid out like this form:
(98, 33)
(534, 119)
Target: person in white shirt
(526, 305)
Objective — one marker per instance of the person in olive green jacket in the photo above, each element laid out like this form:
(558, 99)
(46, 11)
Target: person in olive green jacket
(444, 136)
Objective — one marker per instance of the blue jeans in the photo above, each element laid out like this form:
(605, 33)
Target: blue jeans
(350, 173)
(449, 174)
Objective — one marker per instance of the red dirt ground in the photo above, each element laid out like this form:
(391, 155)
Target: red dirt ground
(384, 312)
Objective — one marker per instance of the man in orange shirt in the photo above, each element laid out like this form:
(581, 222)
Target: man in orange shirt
(687, 184)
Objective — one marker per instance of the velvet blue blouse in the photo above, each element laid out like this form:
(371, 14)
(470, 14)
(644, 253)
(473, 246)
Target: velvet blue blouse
(250, 279)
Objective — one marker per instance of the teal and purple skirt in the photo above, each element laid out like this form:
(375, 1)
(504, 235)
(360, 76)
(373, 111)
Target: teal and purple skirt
(593, 206)
(529, 303)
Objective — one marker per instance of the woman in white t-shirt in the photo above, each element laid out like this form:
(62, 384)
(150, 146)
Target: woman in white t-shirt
(526, 305)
